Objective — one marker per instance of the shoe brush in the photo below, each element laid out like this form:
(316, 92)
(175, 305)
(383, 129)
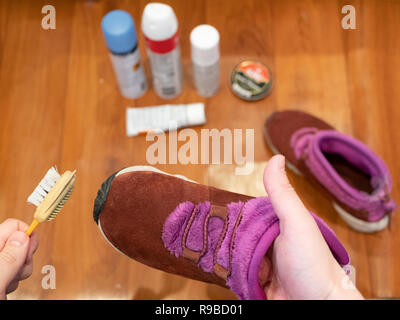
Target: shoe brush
(50, 196)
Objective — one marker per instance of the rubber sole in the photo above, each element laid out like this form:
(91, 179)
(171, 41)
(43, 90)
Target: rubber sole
(361, 225)
(150, 168)
(353, 222)
(105, 187)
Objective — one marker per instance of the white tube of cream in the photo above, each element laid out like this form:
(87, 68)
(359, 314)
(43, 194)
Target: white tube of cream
(163, 118)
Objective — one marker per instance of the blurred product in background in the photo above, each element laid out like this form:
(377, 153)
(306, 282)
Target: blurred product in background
(158, 119)
(160, 28)
(121, 39)
(251, 80)
(204, 41)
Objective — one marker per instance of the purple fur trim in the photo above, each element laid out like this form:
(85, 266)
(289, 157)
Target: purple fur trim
(215, 226)
(194, 240)
(257, 216)
(223, 254)
(174, 227)
(254, 235)
(313, 144)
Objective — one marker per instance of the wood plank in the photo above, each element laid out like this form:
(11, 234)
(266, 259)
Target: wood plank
(60, 105)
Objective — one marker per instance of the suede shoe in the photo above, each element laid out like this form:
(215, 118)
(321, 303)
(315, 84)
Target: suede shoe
(200, 232)
(355, 178)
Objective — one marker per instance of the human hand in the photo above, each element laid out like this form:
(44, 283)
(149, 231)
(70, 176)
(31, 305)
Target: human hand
(300, 264)
(16, 255)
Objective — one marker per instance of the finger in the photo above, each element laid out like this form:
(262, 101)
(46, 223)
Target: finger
(25, 272)
(265, 272)
(8, 227)
(33, 245)
(12, 257)
(12, 286)
(288, 206)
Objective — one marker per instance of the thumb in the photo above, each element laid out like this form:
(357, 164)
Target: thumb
(288, 206)
(12, 257)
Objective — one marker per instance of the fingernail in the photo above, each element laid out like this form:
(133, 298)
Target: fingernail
(18, 239)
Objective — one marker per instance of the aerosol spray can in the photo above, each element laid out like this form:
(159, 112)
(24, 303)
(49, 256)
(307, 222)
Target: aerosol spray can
(204, 41)
(121, 39)
(160, 29)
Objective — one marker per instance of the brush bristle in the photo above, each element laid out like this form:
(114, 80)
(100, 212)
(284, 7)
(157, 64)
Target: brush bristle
(60, 205)
(44, 186)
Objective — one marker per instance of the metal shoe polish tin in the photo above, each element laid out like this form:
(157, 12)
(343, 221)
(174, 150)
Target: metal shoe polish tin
(251, 80)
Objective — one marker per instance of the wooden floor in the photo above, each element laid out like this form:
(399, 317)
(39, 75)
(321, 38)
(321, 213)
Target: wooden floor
(60, 106)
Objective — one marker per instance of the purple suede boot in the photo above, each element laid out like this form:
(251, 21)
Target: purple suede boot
(193, 230)
(346, 170)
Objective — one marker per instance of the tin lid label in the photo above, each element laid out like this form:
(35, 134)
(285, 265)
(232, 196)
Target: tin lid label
(251, 80)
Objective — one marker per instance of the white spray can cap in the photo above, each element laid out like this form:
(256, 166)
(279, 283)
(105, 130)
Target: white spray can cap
(204, 40)
(159, 21)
